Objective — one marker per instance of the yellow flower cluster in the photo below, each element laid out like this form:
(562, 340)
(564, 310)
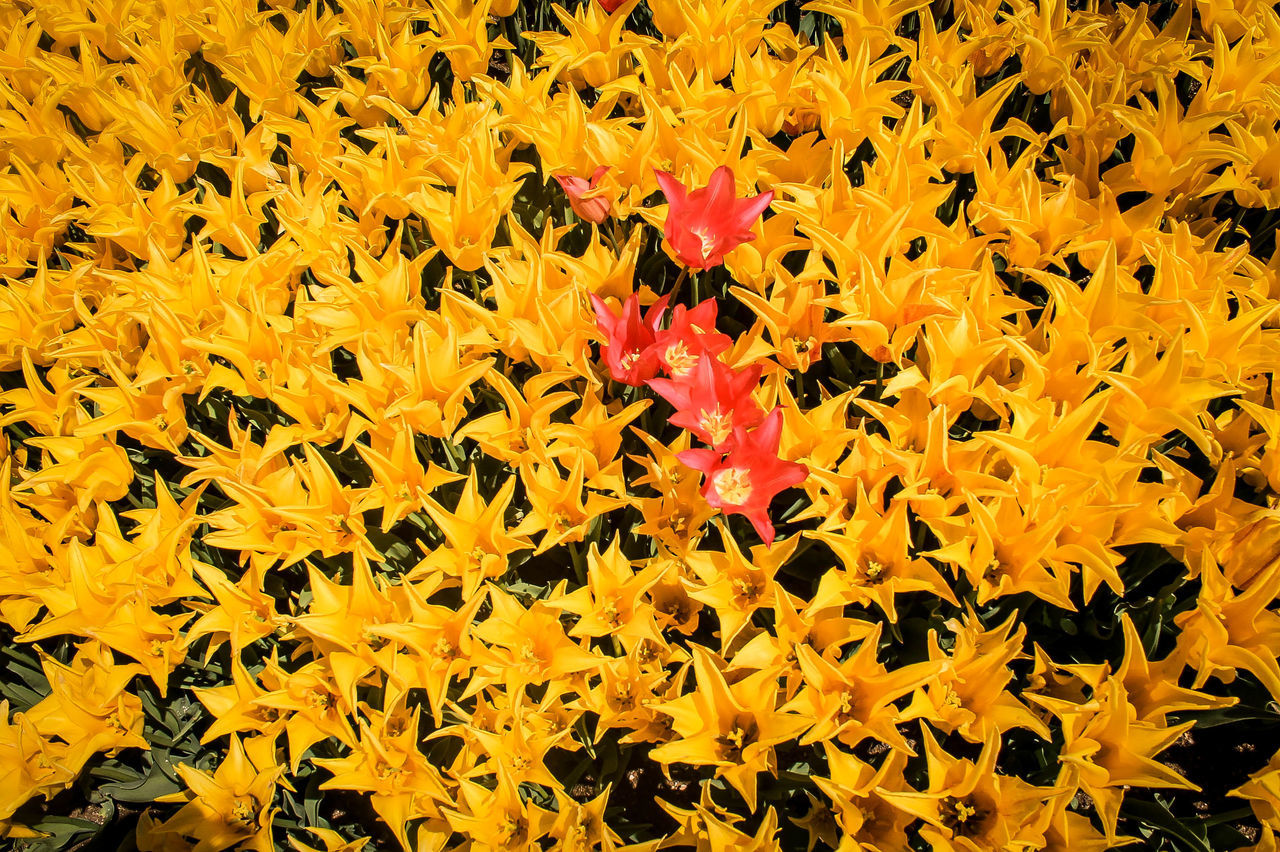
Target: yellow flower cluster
(305, 419)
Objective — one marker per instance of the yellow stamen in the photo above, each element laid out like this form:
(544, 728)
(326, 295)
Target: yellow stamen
(733, 484)
(708, 242)
(716, 423)
(680, 361)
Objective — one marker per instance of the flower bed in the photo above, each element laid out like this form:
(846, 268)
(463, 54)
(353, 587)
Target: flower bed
(675, 424)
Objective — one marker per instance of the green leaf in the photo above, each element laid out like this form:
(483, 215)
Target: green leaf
(144, 790)
(60, 831)
(1177, 832)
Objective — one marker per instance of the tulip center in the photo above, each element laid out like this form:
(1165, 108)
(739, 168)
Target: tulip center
(746, 589)
(611, 614)
(961, 815)
(733, 484)
(680, 361)
(318, 700)
(528, 660)
(874, 572)
(443, 649)
(509, 828)
(743, 733)
(242, 811)
(708, 242)
(717, 424)
(630, 358)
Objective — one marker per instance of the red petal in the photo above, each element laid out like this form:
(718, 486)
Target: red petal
(701, 460)
(606, 319)
(769, 434)
(748, 209)
(720, 196)
(674, 190)
(761, 522)
(653, 316)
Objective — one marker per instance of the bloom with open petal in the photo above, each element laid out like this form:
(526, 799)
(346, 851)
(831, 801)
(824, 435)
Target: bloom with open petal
(628, 348)
(692, 334)
(713, 400)
(747, 479)
(705, 223)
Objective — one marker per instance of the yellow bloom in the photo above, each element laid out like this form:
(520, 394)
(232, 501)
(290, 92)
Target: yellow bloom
(1230, 630)
(557, 506)
(971, 694)
(312, 703)
(478, 543)
(707, 827)
(1262, 791)
(236, 708)
(498, 819)
(88, 706)
(969, 805)
(339, 623)
(735, 584)
(876, 553)
(464, 222)
(852, 700)
(710, 33)
(612, 603)
(228, 808)
(596, 50)
(1108, 749)
(531, 646)
(732, 726)
(33, 765)
(464, 37)
(441, 641)
(387, 764)
(858, 791)
(1152, 685)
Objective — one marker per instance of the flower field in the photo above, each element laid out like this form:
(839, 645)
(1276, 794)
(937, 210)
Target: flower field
(706, 424)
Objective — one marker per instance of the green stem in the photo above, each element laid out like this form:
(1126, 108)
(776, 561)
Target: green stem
(413, 240)
(612, 239)
(579, 564)
(675, 291)
(618, 239)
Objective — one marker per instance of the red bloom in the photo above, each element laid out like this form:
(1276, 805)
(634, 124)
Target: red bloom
(746, 480)
(691, 336)
(713, 400)
(583, 197)
(704, 224)
(612, 6)
(628, 349)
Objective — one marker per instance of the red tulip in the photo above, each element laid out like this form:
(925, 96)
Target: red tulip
(746, 480)
(713, 400)
(584, 198)
(628, 349)
(704, 224)
(691, 336)
(612, 6)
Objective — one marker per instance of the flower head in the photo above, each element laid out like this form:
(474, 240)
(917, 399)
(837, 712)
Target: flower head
(628, 350)
(713, 400)
(704, 224)
(744, 481)
(692, 335)
(585, 195)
